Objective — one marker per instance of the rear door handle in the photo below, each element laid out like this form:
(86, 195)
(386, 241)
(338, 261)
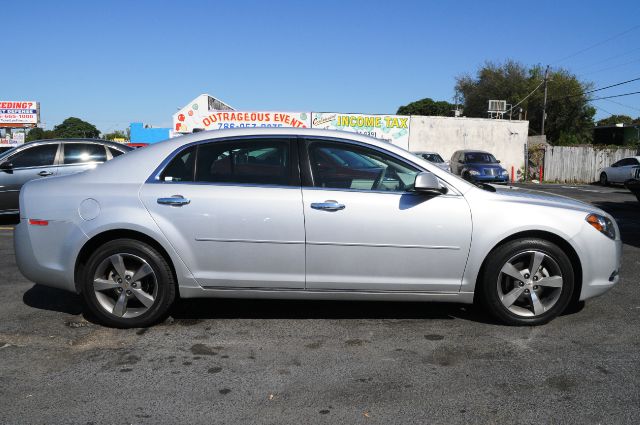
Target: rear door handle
(175, 201)
(328, 206)
(45, 173)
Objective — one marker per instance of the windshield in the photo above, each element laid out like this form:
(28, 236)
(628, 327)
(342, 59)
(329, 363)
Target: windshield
(479, 158)
(432, 157)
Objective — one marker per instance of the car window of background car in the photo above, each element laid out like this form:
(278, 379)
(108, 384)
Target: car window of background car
(37, 156)
(115, 152)
(250, 162)
(75, 153)
(479, 157)
(366, 169)
(432, 157)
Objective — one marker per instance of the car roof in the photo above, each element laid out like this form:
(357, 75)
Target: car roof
(74, 140)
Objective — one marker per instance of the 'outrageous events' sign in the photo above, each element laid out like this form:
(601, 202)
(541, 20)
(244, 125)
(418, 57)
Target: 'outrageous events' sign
(19, 113)
(219, 120)
(392, 128)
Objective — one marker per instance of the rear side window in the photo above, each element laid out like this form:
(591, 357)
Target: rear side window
(263, 161)
(37, 156)
(181, 168)
(115, 152)
(78, 153)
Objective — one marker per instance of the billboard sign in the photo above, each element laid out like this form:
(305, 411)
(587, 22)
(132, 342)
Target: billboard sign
(220, 120)
(22, 113)
(392, 128)
(188, 118)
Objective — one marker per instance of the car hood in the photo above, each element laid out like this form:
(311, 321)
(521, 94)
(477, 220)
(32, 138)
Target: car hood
(528, 196)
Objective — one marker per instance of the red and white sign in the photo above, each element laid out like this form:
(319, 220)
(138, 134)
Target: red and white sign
(22, 113)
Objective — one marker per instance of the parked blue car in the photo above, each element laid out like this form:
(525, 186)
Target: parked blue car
(478, 166)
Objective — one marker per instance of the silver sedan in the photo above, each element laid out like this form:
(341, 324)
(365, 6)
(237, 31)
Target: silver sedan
(305, 214)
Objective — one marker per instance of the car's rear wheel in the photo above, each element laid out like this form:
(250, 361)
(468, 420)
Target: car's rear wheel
(127, 284)
(604, 181)
(527, 282)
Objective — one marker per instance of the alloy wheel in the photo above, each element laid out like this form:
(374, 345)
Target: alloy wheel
(125, 285)
(530, 283)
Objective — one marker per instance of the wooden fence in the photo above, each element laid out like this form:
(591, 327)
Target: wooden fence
(582, 164)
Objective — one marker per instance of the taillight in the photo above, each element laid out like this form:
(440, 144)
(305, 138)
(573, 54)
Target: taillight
(35, 222)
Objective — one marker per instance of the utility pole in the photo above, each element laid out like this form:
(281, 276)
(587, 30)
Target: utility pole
(544, 105)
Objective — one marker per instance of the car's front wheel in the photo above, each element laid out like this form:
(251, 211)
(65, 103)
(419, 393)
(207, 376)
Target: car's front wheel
(127, 284)
(527, 282)
(604, 181)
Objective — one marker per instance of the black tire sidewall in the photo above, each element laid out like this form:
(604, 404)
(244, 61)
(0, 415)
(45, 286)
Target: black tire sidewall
(499, 256)
(603, 179)
(166, 283)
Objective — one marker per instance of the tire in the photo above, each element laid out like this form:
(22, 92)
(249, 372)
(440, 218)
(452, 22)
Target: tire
(120, 301)
(466, 176)
(536, 299)
(604, 181)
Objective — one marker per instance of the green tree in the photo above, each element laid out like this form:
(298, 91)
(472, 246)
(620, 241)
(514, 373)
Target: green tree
(115, 135)
(428, 107)
(39, 134)
(615, 119)
(569, 114)
(75, 127)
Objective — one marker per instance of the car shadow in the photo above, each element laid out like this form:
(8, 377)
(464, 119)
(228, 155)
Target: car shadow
(188, 311)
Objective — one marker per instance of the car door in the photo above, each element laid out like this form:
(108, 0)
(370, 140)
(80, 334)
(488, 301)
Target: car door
(31, 162)
(626, 171)
(77, 157)
(366, 230)
(233, 211)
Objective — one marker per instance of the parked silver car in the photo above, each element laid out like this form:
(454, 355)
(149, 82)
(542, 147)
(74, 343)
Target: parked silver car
(620, 171)
(435, 159)
(307, 214)
(44, 158)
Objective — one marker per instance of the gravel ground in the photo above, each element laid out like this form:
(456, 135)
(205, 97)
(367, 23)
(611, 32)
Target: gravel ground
(232, 361)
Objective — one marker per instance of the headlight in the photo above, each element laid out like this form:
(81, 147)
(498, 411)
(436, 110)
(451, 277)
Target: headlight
(505, 173)
(474, 172)
(602, 224)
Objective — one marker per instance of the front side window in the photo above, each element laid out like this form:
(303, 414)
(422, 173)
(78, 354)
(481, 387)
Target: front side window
(344, 166)
(115, 152)
(78, 153)
(432, 157)
(37, 156)
(261, 161)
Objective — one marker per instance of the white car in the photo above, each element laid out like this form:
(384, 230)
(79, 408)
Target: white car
(435, 159)
(620, 171)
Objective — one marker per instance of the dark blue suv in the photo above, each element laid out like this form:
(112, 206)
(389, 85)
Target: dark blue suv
(478, 166)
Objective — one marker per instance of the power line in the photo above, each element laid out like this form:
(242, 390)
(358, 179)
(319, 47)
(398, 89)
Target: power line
(617, 95)
(598, 89)
(608, 59)
(623, 105)
(612, 67)
(600, 43)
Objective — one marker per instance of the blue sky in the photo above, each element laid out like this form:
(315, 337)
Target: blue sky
(114, 62)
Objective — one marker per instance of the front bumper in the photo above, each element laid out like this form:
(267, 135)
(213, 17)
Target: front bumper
(601, 258)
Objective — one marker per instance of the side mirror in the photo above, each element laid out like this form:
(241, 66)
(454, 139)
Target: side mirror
(428, 183)
(460, 161)
(498, 161)
(6, 166)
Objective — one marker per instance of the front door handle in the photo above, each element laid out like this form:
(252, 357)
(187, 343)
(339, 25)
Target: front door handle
(328, 206)
(175, 201)
(45, 173)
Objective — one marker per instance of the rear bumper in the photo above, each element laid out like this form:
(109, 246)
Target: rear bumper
(46, 254)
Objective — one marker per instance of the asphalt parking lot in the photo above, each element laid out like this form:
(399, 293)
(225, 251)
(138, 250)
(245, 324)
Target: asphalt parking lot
(231, 361)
